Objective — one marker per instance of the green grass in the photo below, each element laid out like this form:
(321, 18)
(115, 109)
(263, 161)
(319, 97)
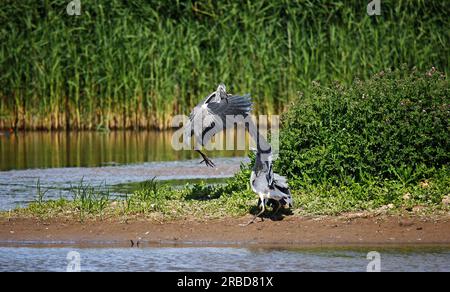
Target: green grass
(85, 200)
(134, 64)
(155, 200)
(175, 183)
(332, 199)
(149, 199)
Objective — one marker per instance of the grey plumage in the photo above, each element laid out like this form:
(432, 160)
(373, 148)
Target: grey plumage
(209, 116)
(270, 187)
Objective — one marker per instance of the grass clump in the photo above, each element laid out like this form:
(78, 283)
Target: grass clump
(382, 195)
(151, 199)
(194, 200)
(86, 200)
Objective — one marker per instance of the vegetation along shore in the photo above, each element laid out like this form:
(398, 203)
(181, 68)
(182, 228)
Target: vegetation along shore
(364, 104)
(372, 150)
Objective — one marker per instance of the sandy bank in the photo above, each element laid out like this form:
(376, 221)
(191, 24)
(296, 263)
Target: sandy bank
(293, 230)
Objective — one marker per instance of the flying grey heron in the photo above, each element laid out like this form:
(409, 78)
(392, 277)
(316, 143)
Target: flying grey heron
(269, 186)
(209, 116)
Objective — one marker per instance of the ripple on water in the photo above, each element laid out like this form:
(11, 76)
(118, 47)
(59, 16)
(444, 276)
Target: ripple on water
(221, 259)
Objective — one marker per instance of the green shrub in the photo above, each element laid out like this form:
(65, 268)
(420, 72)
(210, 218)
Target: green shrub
(393, 126)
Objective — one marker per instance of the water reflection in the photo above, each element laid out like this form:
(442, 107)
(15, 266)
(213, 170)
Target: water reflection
(68, 149)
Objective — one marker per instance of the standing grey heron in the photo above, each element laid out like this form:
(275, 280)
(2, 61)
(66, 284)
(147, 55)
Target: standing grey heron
(209, 116)
(269, 186)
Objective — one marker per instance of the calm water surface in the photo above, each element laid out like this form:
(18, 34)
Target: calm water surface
(91, 149)
(64, 159)
(222, 259)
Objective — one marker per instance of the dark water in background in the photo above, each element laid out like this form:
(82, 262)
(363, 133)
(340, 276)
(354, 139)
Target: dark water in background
(90, 149)
(224, 259)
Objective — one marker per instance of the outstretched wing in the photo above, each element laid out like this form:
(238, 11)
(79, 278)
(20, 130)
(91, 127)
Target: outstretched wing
(214, 120)
(232, 105)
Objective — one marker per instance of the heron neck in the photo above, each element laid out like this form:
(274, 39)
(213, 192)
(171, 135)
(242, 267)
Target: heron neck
(262, 145)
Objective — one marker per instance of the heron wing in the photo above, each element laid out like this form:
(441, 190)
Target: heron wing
(281, 193)
(214, 118)
(212, 113)
(232, 105)
(209, 99)
(280, 180)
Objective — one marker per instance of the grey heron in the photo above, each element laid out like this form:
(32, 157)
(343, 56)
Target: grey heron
(269, 186)
(209, 116)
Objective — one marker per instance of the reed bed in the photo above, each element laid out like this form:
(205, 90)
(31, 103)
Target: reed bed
(134, 64)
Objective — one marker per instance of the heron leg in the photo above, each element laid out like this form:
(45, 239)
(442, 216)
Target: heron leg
(263, 206)
(206, 160)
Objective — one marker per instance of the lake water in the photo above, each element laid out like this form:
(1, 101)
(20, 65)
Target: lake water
(61, 160)
(214, 259)
(92, 149)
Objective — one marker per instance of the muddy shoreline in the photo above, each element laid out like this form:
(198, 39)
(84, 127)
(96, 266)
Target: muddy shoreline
(390, 230)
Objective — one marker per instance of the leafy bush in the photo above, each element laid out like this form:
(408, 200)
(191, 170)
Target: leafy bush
(393, 126)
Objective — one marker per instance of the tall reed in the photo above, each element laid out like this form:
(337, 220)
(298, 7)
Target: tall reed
(133, 64)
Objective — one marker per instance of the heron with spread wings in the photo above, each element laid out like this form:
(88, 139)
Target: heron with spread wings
(209, 116)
